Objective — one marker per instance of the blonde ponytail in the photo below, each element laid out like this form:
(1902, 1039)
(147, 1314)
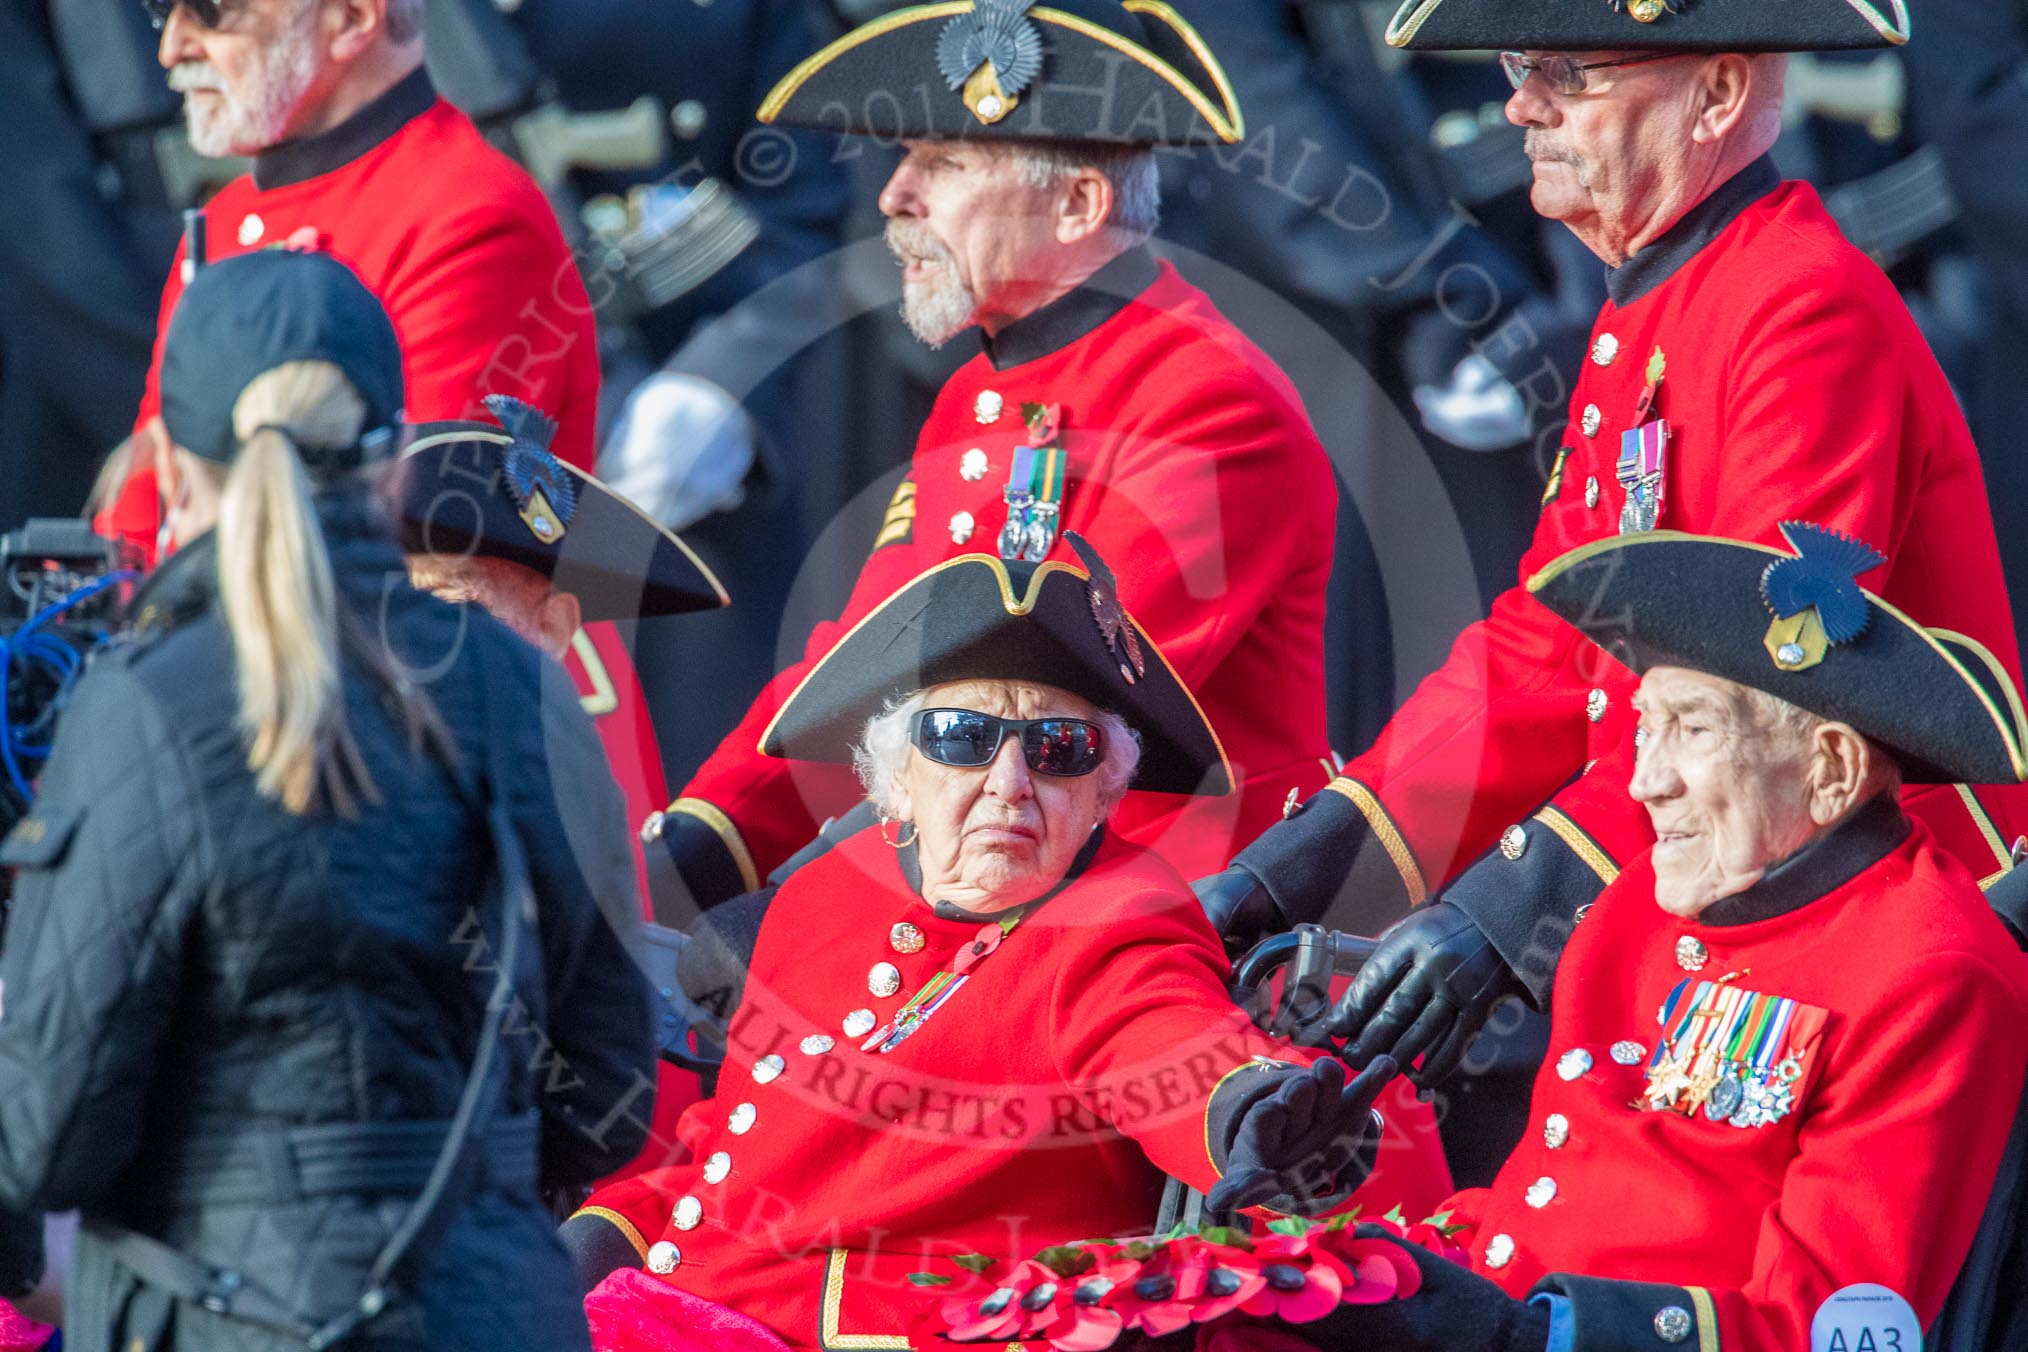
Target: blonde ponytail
(280, 600)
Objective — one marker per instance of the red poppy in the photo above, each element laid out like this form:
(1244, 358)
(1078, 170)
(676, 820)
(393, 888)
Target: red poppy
(1159, 1299)
(1025, 1301)
(1301, 1280)
(1234, 1279)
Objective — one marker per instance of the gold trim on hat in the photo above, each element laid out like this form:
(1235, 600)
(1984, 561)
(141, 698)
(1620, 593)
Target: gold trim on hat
(1229, 129)
(496, 437)
(1413, 14)
(2012, 725)
(1016, 607)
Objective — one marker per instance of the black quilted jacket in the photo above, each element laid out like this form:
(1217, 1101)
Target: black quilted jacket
(186, 959)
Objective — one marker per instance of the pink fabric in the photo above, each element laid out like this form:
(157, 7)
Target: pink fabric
(631, 1311)
(19, 1333)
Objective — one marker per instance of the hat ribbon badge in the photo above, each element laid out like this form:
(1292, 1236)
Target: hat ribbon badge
(990, 56)
(1815, 597)
(541, 487)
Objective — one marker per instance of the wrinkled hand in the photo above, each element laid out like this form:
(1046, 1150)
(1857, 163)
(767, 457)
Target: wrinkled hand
(1314, 1137)
(1239, 907)
(1426, 992)
(1454, 1310)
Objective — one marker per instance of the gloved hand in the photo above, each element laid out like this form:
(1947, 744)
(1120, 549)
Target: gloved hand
(1478, 410)
(1239, 908)
(1426, 992)
(680, 449)
(1456, 1310)
(1313, 1138)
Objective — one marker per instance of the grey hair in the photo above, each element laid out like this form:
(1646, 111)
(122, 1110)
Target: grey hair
(883, 748)
(1137, 192)
(404, 20)
(1795, 724)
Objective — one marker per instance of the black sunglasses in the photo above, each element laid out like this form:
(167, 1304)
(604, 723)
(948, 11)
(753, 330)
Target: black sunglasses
(969, 740)
(207, 13)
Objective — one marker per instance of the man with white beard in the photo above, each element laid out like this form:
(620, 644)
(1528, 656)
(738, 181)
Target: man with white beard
(355, 155)
(1110, 398)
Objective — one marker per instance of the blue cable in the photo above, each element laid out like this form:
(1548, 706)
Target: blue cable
(29, 645)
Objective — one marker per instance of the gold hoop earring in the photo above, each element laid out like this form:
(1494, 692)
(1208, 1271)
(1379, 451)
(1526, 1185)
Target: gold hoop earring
(910, 827)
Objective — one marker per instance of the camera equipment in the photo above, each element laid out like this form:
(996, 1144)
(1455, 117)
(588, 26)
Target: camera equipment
(63, 597)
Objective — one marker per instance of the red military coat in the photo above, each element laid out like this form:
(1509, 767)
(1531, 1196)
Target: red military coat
(463, 250)
(1193, 470)
(1042, 1103)
(1910, 1000)
(456, 241)
(1796, 387)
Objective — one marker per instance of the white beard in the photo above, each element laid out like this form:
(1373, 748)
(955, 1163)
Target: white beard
(941, 308)
(278, 79)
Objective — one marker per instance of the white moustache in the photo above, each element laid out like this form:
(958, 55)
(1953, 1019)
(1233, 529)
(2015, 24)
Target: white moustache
(189, 75)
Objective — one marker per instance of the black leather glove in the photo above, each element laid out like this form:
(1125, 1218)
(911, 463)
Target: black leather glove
(1456, 1310)
(1426, 992)
(1239, 908)
(1314, 1138)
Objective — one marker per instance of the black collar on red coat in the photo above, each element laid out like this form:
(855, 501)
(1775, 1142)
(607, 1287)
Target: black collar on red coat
(1076, 313)
(296, 161)
(1819, 868)
(911, 872)
(1699, 225)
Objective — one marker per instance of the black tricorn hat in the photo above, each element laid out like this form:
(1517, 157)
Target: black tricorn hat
(469, 488)
(1648, 25)
(1800, 627)
(977, 617)
(1132, 73)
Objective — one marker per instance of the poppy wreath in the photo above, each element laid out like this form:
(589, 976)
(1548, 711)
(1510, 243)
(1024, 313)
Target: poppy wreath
(1225, 1290)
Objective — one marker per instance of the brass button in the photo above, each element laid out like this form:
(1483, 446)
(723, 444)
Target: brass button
(1591, 492)
(1629, 1052)
(1691, 954)
(1605, 349)
(1596, 704)
(664, 1258)
(987, 407)
(884, 980)
(1540, 1193)
(1556, 1131)
(1514, 842)
(1590, 419)
(1573, 1064)
(688, 1214)
(1499, 1251)
(741, 1120)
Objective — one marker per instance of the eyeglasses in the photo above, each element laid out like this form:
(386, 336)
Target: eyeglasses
(1563, 73)
(207, 13)
(968, 739)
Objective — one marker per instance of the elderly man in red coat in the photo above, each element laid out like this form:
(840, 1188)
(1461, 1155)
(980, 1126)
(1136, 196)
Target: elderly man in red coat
(1110, 398)
(1785, 1043)
(354, 154)
(1750, 366)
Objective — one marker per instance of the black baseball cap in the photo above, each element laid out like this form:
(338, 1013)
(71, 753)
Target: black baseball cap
(242, 317)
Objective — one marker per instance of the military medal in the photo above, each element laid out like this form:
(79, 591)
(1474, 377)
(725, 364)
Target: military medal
(1640, 469)
(1732, 1053)
(1034, 495)
(941, 987)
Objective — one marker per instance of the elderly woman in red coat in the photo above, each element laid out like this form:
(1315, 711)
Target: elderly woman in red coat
(984, 1025)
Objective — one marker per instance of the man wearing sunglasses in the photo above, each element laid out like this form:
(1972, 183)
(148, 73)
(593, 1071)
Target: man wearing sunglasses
(1749, 367)
(355, 154)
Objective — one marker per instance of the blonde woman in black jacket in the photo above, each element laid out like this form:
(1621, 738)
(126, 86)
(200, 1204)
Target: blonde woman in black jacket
(253, 938)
